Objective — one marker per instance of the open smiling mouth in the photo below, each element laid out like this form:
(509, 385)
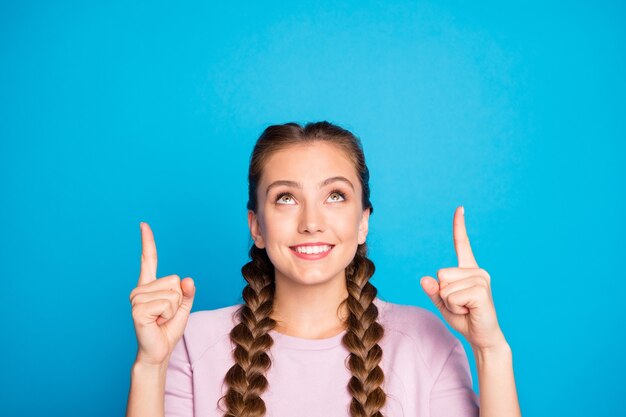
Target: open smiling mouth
(312, 252)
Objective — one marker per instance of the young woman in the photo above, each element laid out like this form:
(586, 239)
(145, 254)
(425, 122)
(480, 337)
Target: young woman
(312, 338)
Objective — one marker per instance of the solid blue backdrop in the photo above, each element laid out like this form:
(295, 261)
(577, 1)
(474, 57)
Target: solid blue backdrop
(117, 112)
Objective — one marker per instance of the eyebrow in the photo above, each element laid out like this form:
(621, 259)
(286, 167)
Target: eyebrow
(298, 185)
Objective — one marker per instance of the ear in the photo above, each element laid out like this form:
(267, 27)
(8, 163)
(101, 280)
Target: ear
(363, 226)
(255, 229)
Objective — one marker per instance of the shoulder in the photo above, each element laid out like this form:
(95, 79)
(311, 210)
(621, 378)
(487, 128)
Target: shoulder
(412, 320)
(206, 328)
(409, 329)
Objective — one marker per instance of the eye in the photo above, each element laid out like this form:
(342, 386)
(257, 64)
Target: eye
(337, 195)
(284, 198)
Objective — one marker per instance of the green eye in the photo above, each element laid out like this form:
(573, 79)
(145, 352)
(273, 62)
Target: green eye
(337, 196)
(284, 198)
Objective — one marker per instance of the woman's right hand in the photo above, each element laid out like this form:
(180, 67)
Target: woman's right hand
(160, 307)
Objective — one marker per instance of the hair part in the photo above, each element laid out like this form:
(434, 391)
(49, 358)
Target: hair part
(246, 379)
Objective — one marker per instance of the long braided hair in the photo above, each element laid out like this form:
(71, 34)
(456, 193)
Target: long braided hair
(246, 379)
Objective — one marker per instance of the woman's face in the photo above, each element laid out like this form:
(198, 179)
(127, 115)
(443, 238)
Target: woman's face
(309, 200)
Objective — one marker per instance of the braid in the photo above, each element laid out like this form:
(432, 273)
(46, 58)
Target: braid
(246, 378)
(362, 337)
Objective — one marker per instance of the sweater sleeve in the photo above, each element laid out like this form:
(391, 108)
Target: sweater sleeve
(179, 383)
(452, 394)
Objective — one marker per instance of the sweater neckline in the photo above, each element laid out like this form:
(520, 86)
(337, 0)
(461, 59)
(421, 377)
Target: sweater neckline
(300, 343)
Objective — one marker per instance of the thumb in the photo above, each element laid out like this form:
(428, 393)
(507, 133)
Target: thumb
(189, 292)
(431, 288)
(177, 324)
(179, 321)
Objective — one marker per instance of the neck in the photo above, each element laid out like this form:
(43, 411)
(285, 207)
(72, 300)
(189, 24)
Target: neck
(310, 311)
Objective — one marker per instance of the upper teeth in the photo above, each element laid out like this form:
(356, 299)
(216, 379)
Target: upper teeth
(312, 249)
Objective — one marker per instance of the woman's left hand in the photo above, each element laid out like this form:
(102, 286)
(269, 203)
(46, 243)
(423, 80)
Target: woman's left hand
(463, 294)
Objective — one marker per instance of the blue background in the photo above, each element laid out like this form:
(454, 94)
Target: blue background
(114, 113)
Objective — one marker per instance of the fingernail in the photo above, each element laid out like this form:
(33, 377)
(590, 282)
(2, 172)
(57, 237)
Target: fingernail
(463, 210)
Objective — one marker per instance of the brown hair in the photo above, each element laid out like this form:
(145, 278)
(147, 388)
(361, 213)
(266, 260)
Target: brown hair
(246, 379)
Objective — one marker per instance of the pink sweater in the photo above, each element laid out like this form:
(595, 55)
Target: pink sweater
(425, 366)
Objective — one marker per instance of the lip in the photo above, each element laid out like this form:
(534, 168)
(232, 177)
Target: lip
(312, 256)
(312, 244)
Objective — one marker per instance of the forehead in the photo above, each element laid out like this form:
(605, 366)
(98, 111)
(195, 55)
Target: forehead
(311, 161)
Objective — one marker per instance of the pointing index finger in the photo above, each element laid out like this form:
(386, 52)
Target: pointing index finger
(148, 255)
(461, 241)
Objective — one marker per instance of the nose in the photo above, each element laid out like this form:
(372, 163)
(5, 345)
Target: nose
(311, 219)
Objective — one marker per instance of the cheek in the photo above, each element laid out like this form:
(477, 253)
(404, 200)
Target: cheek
(278, 226)
(349, 227)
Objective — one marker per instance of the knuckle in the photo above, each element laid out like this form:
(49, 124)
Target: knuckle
(150, 259)
(134, 296)
(147, 257)
(484, 273)
(454, 298)
(482, 281)
(443, 293)
(174, 279)
(185, 308)
(137, 312)
(174, 295)
(169, 309)
(478, 280)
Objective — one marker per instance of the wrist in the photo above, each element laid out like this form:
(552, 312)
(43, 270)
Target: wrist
(141, 368)
(495, 353)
